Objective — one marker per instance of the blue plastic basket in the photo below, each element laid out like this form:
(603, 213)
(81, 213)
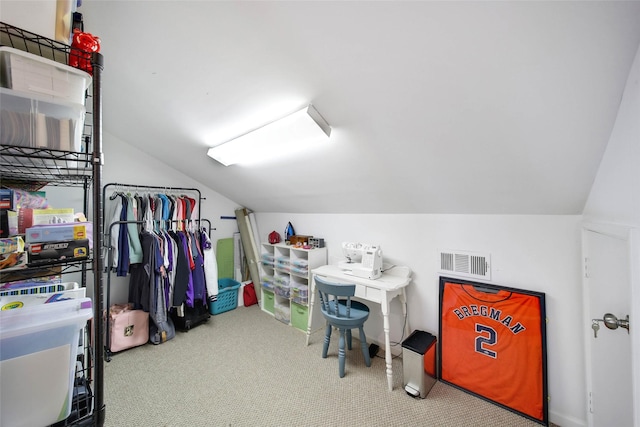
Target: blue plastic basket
(227, 298)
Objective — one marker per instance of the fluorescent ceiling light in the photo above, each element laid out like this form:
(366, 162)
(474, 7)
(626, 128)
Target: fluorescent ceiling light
(299, 131)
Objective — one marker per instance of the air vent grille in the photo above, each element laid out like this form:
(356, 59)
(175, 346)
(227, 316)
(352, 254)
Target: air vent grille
(470, 264)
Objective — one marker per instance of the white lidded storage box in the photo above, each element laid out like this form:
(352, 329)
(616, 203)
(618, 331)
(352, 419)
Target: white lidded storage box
(29, 121)
(48, 79)
(38, 349)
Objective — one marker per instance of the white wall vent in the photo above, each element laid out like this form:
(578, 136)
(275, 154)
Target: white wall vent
(468, 264)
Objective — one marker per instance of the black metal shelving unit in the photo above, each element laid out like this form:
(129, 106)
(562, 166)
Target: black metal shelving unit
(32, 168)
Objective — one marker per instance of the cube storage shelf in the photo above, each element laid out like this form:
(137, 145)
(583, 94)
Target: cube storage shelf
(286, 277)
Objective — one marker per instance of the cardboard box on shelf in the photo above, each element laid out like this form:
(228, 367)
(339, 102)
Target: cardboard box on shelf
(28, 217)
(8, 199)
(57, 232)
(8, 223)
(299, 240)
(52, 252)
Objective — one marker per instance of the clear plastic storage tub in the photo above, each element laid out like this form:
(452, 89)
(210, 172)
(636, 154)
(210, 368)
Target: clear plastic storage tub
(38, 351)
(37, 123)
(33, 74)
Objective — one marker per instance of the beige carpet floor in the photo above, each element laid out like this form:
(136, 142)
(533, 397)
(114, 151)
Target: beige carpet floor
(245, 368)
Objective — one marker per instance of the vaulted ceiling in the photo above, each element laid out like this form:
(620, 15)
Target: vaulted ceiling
(435, 107)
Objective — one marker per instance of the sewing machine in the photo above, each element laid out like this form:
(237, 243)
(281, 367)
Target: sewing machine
(363, 260)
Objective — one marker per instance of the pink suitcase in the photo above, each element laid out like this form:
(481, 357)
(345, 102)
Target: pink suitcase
(127, 327)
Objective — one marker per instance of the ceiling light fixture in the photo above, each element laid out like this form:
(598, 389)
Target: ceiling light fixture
(299, 131)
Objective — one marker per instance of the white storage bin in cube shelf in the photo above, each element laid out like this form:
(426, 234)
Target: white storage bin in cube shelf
(33, 122)
(38, 349)
(33, 74)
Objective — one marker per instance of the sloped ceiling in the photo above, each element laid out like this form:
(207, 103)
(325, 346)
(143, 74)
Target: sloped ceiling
(436, 107)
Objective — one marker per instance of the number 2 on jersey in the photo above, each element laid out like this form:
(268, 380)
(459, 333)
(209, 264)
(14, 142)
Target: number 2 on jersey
(488, 337)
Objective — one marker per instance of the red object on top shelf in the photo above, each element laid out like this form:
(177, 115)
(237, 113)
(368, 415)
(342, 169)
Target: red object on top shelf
(82, 46)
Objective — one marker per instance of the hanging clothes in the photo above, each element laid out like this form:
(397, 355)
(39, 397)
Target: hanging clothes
(210, 265)
(122, 268)
(161, 329)
(114, 216)
(189, 293)
(124, 238)
(140, 282)
(199, 281)
(182, 273)
(135, 249)
(171, 264)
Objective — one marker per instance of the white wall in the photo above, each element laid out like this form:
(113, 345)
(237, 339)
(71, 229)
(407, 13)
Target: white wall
(540, 253)
(615, 196)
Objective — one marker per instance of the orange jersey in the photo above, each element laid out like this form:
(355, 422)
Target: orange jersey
(492, 345)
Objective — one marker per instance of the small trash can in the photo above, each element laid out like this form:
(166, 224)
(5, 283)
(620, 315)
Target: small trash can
(419, 363)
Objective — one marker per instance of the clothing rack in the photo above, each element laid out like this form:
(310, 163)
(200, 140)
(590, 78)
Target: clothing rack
(165, 224)
(128, 188)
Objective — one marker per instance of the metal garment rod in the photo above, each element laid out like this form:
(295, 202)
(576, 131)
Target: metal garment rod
(147, 188)
(249, 244)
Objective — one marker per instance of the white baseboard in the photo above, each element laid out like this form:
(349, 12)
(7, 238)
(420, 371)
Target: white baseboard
(565, 420)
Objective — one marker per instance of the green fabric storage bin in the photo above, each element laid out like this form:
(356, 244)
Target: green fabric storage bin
(268, 301)
(299, 316)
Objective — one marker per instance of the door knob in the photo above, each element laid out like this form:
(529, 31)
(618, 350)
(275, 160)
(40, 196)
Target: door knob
(611, 321)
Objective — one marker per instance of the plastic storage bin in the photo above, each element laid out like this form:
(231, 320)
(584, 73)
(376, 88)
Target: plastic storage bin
(227, 296)
(36, 123)
(300, 294)
(282, 311)
(282, 263)
(32, 74)
(281, 286)
(418, 363)
(38, 350)
(268, 284)
(300, 267)
(267, 259)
